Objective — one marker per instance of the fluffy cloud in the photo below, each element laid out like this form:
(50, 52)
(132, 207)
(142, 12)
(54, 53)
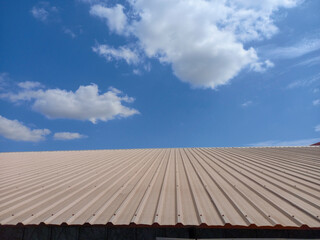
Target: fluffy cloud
(122, 53)
(84, 104)
(202, 40)
(115, 17)
(15, 130)
(67, 136)
(42, 11)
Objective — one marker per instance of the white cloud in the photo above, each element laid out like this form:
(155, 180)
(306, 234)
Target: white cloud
(115, 17)
(15, 130)
(30, 85)
(68, 136)
(202, 40)
(316, 102)
(297, 50)
(247, 104)
(271, 143)
(122, 53)
(84, 104)
(317, 128)
(42, 11)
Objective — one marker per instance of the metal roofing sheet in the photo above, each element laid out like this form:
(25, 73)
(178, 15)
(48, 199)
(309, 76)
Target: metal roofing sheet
(215, 187)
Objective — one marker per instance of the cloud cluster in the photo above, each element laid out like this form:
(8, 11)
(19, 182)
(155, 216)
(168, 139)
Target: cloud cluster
(86, 103)
(15, 130)
(202, 40)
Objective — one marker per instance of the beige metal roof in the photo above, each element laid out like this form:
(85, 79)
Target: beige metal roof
(216, 187)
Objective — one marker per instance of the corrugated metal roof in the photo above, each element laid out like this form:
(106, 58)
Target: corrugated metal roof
(216, 187)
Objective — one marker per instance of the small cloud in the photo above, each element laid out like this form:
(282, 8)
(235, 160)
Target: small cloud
(315, 90)
(122, 53)
(274, 143)
(316, 102)
(69, 32)
(42, 11)
(246, 104)
(317, 128)
(15, 130)
(68, 136)
(30, 85)
(136, 72)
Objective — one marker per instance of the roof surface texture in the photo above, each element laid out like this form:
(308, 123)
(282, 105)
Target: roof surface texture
(276, 187)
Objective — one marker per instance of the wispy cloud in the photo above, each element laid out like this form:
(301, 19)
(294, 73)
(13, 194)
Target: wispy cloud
(309, 62)
(316, 102)
(299, 49)
(317, 128)
(68, 136)
(30, 85)
(271, 143)
(43, 10)
(69, 32)
(305, 82)
(15, 130)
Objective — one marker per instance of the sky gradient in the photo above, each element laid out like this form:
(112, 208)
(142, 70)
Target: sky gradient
(150, 74)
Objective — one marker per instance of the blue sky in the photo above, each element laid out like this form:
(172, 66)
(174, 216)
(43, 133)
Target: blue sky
(147, 74)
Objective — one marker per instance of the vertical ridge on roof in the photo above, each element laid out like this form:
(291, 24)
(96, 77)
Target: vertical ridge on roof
(217, 187)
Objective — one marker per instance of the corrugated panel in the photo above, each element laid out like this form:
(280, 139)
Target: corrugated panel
(249, 187)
